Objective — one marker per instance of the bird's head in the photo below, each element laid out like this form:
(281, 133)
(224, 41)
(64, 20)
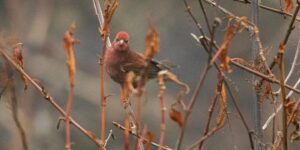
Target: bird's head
(121, 42)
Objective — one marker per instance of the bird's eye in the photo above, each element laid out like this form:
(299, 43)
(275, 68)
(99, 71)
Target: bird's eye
(126, 41)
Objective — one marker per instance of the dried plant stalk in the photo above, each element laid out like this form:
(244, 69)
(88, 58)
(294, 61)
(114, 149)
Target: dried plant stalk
(69, 41)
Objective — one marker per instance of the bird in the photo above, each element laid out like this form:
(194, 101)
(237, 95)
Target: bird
(120, 59)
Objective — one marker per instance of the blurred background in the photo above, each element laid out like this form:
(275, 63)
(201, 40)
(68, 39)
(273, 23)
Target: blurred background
(40, 25)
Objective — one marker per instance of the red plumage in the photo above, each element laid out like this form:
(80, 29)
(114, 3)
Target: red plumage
(119, 59)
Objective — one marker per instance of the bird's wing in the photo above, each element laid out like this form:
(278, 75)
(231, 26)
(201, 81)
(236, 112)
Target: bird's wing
(137, 63)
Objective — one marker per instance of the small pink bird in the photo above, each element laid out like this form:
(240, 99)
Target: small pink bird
(119, 59)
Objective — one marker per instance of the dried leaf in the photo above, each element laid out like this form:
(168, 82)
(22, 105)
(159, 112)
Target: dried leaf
(18, 58)
(223, 102)
(293, 111)
(128, 86)
(69, 42)
(176, 116)
(288, 6)
(167, 75)
(222, 52)
(152, 43)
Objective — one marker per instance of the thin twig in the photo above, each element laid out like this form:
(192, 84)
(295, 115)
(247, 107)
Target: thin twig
(205, 17)
(210, 113)
(110, 134)
(49, 98)
(279, 11)
(189, 10)
(263, 76)
(138, 136)
(14, 103)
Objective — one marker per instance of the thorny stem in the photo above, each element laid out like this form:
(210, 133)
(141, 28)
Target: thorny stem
(47, 96)
(140, 137)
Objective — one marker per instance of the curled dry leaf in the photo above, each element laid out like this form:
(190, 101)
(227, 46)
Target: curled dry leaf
(18, 58)
(288, 6)
(69, 42)
(222, 53)
(128, 87)
(152, 43)
(167, 75)
(176, 116)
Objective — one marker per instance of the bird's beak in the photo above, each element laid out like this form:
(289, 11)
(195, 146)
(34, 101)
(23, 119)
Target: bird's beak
(121, 42)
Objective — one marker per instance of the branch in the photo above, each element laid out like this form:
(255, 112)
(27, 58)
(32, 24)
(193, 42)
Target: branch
(140, 137)
(292, 67)
(48, 97)
(270, 9)
(283, 93)
(263, 76)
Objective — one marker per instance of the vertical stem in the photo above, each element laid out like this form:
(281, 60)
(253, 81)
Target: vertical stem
(163, 109)
(126, 133)
(102, 96)
(256, 95)
(68, 114)
(284, 101)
